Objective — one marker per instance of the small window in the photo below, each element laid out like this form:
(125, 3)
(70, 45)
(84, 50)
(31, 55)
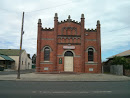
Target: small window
(90, 54)
(46, 54)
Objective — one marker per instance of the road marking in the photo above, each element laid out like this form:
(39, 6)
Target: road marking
(34, 92)
(102, 91)
(70, 92)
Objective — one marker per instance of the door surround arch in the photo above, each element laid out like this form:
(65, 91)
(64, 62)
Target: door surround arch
(68, 50)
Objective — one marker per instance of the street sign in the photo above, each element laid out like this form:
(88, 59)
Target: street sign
(60, 60)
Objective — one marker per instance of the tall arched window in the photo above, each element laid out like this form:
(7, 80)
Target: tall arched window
(47, 54)
(90, 54)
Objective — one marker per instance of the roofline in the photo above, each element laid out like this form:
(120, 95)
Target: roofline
(73, 21)
(13, 49)
(7, 57)
(117, 56)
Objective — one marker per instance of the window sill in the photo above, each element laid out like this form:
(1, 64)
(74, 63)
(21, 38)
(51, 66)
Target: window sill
(91, 62)
(46, 62)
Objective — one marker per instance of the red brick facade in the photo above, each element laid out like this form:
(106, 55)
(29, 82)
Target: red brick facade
(68, 35)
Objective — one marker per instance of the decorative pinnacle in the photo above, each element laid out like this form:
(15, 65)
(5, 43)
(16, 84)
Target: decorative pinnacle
(56, 15)
(82, 15)
(69, 17)
(39, 20)
(98, 22)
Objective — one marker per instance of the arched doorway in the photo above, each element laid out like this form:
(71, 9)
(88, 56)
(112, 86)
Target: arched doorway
(68, 61)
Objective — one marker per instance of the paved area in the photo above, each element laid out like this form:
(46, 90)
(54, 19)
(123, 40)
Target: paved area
(9, 71)
(64, 77)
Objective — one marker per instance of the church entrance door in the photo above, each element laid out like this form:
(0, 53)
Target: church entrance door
(68, 61)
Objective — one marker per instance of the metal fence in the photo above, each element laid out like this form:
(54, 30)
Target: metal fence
(116, 69)
(47, 69)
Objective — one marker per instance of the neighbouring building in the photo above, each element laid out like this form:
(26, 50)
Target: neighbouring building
(10, 59)
(6, 62)
(68, 47)
(125, 54)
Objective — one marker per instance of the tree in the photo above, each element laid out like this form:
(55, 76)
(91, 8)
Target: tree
(34, 59)
(118, 60)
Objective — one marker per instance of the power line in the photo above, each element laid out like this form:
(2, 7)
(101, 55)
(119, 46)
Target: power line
(119, 29)
(55, 7)
(35, 10)
(9, 10)
(3, 9)
(48, 8)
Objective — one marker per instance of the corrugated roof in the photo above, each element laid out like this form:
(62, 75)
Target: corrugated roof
(10, 52)
(5, 57)
(125, 53)
(1, 58)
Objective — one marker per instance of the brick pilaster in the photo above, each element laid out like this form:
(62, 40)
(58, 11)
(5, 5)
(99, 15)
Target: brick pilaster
(55, 40)
(82, 44)
(38, 45)
(99, 66)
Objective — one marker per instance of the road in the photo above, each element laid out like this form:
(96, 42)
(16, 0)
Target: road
(20, 89)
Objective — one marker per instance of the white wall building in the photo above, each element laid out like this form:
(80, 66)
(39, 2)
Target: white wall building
(26, 62)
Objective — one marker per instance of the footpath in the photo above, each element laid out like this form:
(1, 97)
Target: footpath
(32, 76)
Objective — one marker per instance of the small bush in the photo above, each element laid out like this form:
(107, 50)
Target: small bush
(117, 60)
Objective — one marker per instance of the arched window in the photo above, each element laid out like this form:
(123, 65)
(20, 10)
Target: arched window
(47, 54)
(90, 54)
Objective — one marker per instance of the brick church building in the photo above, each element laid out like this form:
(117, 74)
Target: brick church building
(68, 47)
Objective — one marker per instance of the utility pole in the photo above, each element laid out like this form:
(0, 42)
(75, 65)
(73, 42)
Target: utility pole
(18, 75)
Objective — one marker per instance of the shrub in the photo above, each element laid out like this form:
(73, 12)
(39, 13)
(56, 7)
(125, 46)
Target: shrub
(117, 60)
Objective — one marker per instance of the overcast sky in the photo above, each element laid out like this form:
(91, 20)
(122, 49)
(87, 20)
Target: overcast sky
(114, 16)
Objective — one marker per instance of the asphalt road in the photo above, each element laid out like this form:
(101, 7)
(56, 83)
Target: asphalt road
(19, 89)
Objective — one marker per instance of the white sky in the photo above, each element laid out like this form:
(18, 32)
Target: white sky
(113, 15)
